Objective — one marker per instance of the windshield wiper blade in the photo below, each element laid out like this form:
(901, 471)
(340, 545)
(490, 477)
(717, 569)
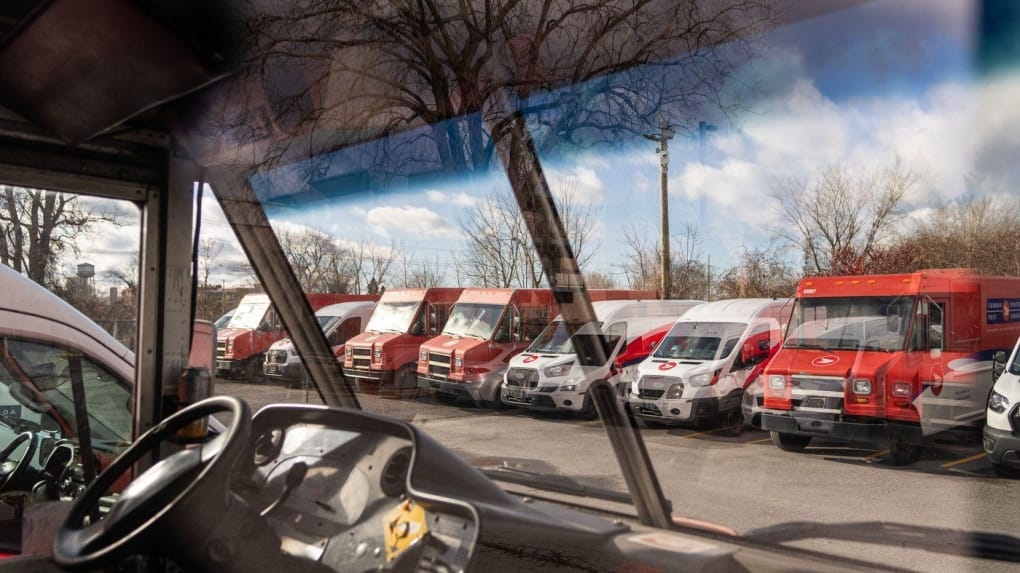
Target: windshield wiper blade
(981, 544)
(553, 482)
(814, 345)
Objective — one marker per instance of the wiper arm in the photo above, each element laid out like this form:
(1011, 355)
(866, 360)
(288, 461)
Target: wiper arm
(552, 482)
(981, 544)
(805, 345)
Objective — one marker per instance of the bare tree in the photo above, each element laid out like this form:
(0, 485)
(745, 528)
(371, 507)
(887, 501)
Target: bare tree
(981, 233)
(37, 227)
(319, 262)
(372, 265)
(643, 269)
(209, 251)
(499, 251)
(760, 272)
(841, 217)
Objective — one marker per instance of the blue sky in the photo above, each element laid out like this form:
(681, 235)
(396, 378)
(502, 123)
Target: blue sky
(884, 81)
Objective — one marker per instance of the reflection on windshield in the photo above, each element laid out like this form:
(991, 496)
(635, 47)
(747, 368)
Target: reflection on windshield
(248, 315)
(473, 320)
(392, 317)
(852, 323)
(700, 340)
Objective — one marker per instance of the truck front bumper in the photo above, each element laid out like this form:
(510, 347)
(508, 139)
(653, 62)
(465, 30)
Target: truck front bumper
(289, 372)
(678, 411)
(485, 389)
(831, 426)
(375, 377)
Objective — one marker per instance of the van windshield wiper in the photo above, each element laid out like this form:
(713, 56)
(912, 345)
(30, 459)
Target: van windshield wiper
(981, 544)
(554, 482)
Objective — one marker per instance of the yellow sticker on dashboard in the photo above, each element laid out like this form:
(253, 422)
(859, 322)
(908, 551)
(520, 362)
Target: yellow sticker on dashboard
(402, 527)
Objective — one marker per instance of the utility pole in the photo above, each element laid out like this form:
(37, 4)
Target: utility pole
(666, 133)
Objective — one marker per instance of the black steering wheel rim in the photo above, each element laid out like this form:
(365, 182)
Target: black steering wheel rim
(11, 478)
(73, 547)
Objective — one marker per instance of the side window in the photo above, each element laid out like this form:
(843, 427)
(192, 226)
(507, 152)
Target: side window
(41, 384)
(535, 319)
(348, 329)
(509, 329)
(929, 326)
(615, 333)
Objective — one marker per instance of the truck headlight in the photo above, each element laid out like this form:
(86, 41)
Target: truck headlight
(777, 382)
(556, 371)
(349, 352)
(901, 389)
(997, 402)
(675, 392)
(458, 362)
(568, 388)
(424, 356)
(862, 386)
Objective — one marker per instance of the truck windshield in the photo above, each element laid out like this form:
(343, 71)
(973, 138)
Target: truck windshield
(700, 340)
(473, 320)
(393, 316)
(851, 323)
(248, 315)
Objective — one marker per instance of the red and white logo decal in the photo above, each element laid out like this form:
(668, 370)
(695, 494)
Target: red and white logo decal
(530, 358)
(825, 360)
(667, 365)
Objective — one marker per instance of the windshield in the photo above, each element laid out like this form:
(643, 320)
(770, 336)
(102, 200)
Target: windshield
(248, 315)
(861, 153)
(700, 340)
(865, 323)
(392, 316)
(473, 320)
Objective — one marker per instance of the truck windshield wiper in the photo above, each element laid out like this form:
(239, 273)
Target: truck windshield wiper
(805, 345)
(554, 482)
(981, 544)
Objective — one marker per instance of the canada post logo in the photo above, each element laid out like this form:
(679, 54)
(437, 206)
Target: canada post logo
(1002, 310)
(825, 360)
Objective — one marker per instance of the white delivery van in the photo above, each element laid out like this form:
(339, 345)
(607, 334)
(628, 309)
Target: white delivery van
(1002, 419)
(339, 322)
(548, 375)
(698, 374)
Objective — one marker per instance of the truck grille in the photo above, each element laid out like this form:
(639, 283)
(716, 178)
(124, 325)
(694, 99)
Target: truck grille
(522, 377)
(649, 393)
(439, 365)
(221, 349)
(362, 357)
(809, 383)
(276, 357)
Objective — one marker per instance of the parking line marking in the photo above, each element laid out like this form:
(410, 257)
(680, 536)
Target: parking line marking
(964, 460)
(695, 434)
(761, 441)
(876, 455)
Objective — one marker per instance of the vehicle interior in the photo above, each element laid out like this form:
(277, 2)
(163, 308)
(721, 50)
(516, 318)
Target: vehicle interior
(303, 112)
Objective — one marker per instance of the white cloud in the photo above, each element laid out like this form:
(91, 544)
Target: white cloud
(459, 199)
(582, 183)
(409, 220)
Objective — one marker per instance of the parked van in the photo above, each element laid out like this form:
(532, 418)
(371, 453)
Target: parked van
(40, 334)
(339, 322)
(698, 374)
(549, 375)
(1002, 422)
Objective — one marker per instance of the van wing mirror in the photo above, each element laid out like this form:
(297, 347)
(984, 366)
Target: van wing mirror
(998, 364)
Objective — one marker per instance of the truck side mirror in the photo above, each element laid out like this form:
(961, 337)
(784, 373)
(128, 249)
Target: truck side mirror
(998, 364)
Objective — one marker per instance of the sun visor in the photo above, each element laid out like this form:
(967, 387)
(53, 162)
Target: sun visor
(79, 67)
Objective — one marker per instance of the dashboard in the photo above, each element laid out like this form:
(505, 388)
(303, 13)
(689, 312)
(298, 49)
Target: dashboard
(340, 496)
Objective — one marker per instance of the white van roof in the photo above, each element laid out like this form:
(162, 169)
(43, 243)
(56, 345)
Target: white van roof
(31, 311)
(615, 309)
(732, 310)
(343, 308)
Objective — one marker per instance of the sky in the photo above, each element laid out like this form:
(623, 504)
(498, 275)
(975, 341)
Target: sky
(888, 81)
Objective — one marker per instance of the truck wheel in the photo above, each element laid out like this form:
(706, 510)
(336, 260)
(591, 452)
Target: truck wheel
(587, 411)
(903, 453)
(253, 370)
(790, 442)
(406, 382)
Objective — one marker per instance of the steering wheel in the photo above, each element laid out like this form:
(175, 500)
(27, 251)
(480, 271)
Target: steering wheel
(189, 482)
(12, 470)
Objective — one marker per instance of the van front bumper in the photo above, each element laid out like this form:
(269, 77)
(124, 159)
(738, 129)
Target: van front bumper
(537, 399)
(1002, 446)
